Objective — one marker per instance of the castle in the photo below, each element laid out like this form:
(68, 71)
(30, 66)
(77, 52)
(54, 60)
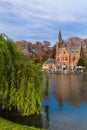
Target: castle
(66, 57)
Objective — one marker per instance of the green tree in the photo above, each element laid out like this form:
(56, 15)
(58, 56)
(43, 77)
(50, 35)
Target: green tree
(81, 62)
(20, 80)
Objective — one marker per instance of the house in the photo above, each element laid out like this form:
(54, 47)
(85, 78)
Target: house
(49, 65)
(66, 56)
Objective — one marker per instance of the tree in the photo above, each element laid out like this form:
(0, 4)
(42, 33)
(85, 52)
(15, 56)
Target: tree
(81, 62)
(20, 80)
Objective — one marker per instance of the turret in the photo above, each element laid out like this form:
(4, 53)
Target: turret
(60, 41)
(59, 37)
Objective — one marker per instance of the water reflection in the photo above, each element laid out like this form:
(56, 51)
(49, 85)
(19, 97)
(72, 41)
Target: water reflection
(47, 115)
(71, 88)
(67, 89)
(66, 105)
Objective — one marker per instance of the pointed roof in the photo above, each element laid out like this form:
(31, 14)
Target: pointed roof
(50, 61)
(60, 37)
(73, 50)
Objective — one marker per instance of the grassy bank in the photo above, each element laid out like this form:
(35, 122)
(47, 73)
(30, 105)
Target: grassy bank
(7, 125)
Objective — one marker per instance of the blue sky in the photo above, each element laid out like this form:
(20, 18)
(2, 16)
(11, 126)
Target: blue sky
(38, 20)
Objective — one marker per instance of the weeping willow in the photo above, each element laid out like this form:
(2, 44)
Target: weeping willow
(20, 80)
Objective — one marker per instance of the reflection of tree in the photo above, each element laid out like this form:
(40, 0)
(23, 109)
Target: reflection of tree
(60, 103)
(47, 115)
(45, 83)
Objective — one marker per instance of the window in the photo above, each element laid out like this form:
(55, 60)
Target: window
(62, 58)
(66, 58)
(72, 51)
(73, 58)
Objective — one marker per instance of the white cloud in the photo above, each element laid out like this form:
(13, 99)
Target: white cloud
(40, 19)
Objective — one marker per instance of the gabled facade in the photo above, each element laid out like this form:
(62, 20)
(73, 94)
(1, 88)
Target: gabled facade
(67, 56)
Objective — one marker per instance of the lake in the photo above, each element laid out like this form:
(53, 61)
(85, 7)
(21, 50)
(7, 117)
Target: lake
(65, 105)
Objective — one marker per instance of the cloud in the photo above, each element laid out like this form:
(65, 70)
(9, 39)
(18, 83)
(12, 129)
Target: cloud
(40, 20)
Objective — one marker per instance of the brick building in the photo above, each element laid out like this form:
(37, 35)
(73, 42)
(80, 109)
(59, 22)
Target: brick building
(49, 65)
(66, 56)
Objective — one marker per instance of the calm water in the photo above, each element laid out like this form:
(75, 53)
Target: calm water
(65, 105)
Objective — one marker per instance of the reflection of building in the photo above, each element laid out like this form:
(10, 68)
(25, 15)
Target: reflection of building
(70, 88)
(67, 89)
(66, 56)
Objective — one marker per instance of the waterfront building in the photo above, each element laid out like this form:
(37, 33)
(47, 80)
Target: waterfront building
(49, 65)
(67, 56)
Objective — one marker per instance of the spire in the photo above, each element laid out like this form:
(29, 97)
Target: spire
(60, 37)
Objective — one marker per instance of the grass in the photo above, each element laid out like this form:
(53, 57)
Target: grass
(8, 125)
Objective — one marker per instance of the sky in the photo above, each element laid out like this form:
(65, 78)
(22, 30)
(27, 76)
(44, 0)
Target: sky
(39, 20)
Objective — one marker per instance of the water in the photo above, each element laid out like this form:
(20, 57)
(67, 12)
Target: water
(65, 107)
(64, 104)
